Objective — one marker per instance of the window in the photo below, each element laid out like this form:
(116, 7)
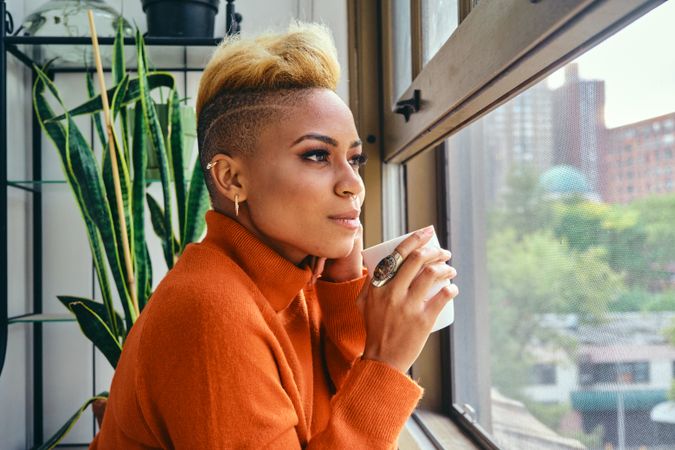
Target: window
(543, 253)
(439, 20)
(515, 153)
(401, 33)
(622, 373)
(543, 374)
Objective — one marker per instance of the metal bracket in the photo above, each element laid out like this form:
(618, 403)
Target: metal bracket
(9, 23)
(410, 106)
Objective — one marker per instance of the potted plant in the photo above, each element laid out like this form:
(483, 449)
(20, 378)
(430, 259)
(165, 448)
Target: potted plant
(122, 249)
(183, 18)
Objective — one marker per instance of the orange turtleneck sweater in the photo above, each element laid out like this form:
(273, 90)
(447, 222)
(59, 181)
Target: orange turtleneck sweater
(237, 350)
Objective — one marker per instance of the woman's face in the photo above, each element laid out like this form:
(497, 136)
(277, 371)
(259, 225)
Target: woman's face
(302, 185)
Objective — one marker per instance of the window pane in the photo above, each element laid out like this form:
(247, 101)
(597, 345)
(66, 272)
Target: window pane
(401, 47)
(562, 230)
(439, 20)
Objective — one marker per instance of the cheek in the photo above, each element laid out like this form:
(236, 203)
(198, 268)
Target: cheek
(284, 193)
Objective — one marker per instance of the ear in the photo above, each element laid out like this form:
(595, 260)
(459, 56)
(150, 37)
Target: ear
(227, 176)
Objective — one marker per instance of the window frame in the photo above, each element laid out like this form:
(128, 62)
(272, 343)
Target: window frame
(506, 46)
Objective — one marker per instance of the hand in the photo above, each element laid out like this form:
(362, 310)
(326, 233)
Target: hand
(397, 317)
(344, 269)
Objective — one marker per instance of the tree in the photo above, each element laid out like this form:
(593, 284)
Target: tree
(534, 275)
(616, 228)
(524, 207)
(658, 215)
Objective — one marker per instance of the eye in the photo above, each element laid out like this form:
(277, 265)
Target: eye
(316, 155)
(359, 160)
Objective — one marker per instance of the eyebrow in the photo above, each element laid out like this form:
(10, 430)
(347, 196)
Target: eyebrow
(325, 139)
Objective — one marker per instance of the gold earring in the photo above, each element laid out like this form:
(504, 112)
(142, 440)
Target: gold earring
(236, 204)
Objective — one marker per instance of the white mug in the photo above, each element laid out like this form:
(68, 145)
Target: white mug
(373, 255)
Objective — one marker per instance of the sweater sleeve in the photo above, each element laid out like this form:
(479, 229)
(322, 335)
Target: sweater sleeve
(370, 409)
(344, 333)
(218, 385)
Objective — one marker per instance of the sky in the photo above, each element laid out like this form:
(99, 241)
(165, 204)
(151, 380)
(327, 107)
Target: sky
(638, 66)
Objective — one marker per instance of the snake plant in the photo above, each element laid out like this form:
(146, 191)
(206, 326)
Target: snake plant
(91, 182)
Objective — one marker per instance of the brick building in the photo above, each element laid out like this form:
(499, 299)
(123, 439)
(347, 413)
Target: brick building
(637, 160)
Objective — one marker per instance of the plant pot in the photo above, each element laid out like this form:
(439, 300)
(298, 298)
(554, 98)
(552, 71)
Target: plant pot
(189, 137)
(180, 18)
(98, 408)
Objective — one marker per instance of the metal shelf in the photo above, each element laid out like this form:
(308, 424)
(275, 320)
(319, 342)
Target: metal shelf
(33, 318)
(37, 186)
(181, 55)
(164, 53)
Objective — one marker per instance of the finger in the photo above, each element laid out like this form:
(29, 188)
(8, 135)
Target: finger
(414, 241)
(319, 266)
(454, 272)
(412, 265)
(443, 257)
(428, 276)
(436, 303)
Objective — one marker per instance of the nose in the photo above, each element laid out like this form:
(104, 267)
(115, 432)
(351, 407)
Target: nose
(349, 182)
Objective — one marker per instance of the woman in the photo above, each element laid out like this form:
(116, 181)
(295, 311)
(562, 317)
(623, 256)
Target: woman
(266, 334)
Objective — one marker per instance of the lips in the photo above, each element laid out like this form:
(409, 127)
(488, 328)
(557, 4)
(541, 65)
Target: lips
(348, 219)
(349, 215)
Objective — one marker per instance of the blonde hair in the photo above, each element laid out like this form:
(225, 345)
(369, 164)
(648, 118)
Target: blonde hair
(303, 57)
(248, 83)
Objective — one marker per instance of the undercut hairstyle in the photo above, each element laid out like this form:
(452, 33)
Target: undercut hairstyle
(249, 83)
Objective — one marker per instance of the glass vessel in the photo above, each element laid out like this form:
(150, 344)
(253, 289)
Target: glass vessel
(59, 18)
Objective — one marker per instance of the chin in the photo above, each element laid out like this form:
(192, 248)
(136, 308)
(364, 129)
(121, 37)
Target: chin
(339, 249)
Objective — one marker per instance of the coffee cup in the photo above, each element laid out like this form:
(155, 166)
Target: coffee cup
(373, 255)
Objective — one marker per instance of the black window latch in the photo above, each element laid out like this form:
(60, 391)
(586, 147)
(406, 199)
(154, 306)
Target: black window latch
(410, 106)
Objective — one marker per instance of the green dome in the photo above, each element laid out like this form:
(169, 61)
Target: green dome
(564, 179)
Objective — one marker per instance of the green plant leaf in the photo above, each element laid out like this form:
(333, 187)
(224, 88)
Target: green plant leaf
(140, 163)
(96, 117)
(80, 165)
(119, 70)
(94, 327)
(156, 216)
(158, 143)
(157, 219)
(119, 93)
(98, 308)
(96, 205)
(65, 429)
(148, 284)
(123, 172)
(176, 151)
(102, 275)
(119, 74)
(57, 134)
(154, 80)
(124, 125)
(197, 205)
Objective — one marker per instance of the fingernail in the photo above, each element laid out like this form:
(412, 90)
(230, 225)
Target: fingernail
(428, 230)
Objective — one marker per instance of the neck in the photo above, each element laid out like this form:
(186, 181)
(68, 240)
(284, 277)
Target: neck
(244, 219)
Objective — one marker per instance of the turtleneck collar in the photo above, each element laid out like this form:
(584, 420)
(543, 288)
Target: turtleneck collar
(278, 279)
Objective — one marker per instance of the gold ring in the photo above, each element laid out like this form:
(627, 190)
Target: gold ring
(386, 269)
